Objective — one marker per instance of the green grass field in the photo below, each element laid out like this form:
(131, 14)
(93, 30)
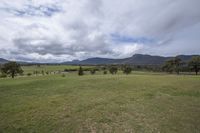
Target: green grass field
(140, 102)
(49, 68)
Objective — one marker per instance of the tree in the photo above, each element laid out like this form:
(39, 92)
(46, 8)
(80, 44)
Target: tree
(168, 66)
(173, 65)
(194, 64)
(12, 69)
(177, 64)
(113, 70)
(127, 70)
(47, 72)
(80, 71)
(42, 72)
(92, 71)
(104, 72)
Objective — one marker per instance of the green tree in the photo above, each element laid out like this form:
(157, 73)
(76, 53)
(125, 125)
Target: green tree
(127, 70)
(177, 64)
(194, 64)
(42, 72)
(92, 71)
(173, 65)
(168, 66)
(12, 69)
(80, 71)
(113, 70)
(105, 72)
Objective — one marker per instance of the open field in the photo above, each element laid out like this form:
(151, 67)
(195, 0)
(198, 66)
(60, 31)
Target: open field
(49, 68)
(141, 102)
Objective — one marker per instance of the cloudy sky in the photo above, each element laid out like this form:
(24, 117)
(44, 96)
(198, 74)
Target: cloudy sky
(64, 30)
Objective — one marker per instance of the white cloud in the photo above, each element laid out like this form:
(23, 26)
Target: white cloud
(62, 30)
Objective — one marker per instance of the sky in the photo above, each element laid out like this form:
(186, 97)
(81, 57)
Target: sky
(65, 30)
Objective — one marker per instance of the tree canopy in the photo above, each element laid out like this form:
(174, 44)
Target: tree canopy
(195, 64)
(127, 70)
(113, 70)
(173, 65)
(12, 69)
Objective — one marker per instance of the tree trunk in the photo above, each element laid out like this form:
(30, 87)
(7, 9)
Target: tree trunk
(177, 72)
(13, 74)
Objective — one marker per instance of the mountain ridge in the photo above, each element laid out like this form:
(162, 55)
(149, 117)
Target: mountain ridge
(2, 61)
(136, 59)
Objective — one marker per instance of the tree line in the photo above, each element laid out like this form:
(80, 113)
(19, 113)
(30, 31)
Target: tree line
(113, 69)
(175, 65)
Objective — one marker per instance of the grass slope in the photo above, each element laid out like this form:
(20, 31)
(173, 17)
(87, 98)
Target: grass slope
(100, 103)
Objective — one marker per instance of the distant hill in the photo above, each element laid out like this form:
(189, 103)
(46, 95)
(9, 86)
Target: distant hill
(2, 61)
(186, 58)
(140, 59)
(137, 59)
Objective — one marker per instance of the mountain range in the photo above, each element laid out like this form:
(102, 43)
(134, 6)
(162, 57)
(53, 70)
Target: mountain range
(2, 61)
(136, 59)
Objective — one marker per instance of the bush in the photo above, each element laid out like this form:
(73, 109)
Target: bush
(71, 70)
(3, 75)
(29, 74)
(63, 75)
(105, 72)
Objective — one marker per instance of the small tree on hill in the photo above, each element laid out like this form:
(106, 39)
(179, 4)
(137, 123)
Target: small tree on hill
(113, 70)
(12, 69)
(194, 64)
(80, 71)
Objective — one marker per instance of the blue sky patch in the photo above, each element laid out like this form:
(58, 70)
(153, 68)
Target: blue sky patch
(127, 39)
(29, 10)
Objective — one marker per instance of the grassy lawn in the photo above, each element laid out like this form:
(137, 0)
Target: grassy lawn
(141, 102)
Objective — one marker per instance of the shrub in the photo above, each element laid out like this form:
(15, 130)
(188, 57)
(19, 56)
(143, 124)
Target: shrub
(63, 75)
(71, 70)
(29, 74)
(3, 75)
(105, 72)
